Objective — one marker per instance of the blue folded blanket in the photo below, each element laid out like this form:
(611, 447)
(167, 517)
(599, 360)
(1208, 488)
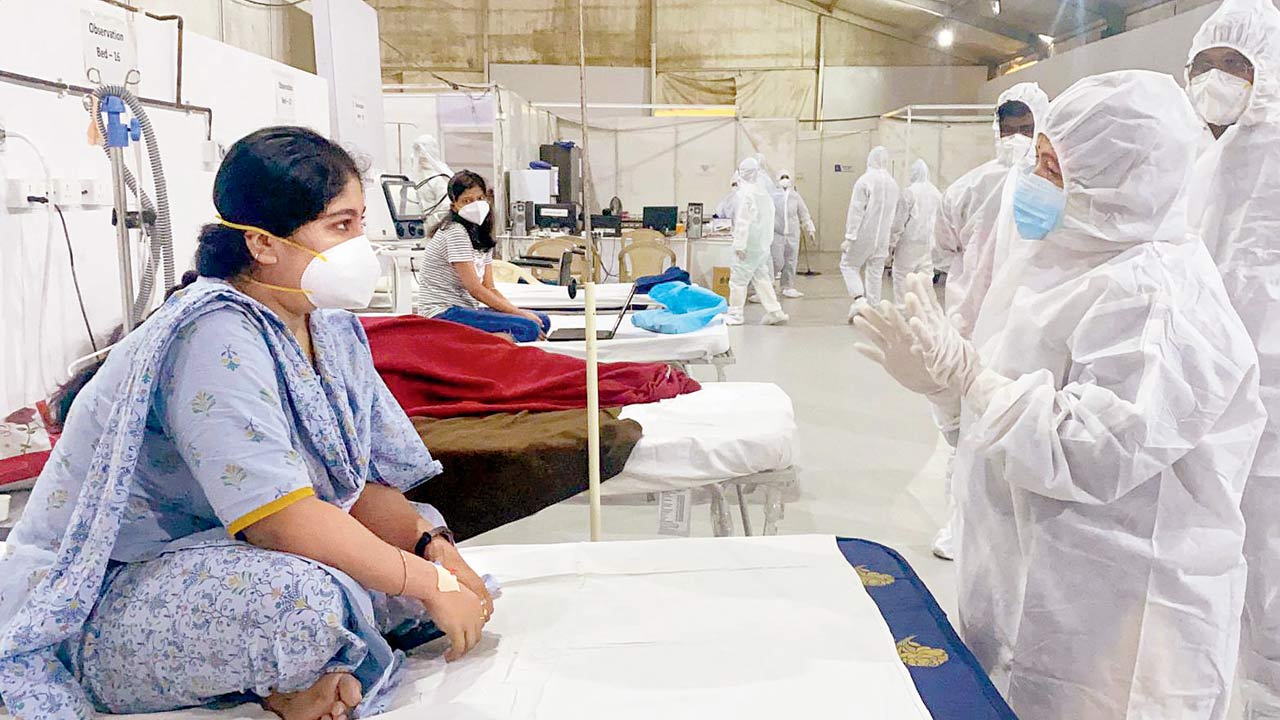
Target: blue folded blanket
(672, 274)
(688, 308)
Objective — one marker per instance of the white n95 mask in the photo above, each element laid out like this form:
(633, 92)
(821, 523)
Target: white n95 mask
(1013, 148)
(785, 182)
(1220, 98)
(475, 212)
(340, 278)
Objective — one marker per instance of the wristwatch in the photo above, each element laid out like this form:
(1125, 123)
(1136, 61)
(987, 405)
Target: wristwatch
(421, 548)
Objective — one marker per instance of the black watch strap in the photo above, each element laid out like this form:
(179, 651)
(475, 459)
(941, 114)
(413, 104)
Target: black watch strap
(421, 548)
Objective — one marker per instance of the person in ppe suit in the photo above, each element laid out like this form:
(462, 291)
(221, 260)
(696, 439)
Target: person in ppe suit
(913, 227)
(729, 203)
(1109, 416)
(966, 230)
(790, 214)
(428, 165)
(1233, 80)
(752, 239)
(867, 229)
(971, 205)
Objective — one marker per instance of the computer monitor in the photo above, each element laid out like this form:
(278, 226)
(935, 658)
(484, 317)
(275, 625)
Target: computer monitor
(562, 216)
(610, 224)
(661, 218)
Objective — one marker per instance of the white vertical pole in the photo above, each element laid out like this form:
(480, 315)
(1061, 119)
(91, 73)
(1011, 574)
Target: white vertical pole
(593, 377)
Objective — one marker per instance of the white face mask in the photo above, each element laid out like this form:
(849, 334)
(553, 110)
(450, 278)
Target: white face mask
(475, 212)
(340, 278)
(1013, 148)
(1219, 97)
(785, 182)
(344, 276)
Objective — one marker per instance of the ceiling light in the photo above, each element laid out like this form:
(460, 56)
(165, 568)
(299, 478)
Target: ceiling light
(946, 37)
(1046, 39)
(995, 7)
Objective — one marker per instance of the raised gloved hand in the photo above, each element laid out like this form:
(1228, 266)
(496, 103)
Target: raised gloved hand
(894, 347)
(951, 360)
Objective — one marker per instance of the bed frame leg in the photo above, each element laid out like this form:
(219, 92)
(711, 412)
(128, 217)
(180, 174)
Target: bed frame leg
(742, 506)
(721, 519)
(773, 508)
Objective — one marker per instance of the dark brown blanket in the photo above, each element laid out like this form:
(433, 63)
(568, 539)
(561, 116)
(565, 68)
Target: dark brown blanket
(500, 468)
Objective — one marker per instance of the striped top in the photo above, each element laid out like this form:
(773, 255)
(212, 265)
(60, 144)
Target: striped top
(438, 285)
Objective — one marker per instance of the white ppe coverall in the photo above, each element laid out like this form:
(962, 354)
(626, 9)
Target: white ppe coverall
(752, 239)
(790, 214)
(428, 164)
(1105, 446)
(867, 228)
(913, 227)
(729, 203)
(970, 207)
(1236, 208)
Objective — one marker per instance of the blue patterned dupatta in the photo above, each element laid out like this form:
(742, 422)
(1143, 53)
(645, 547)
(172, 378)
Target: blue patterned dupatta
(46, 594)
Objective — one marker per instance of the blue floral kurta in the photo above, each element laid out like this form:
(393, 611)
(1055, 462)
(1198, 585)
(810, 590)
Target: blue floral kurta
(206, 419)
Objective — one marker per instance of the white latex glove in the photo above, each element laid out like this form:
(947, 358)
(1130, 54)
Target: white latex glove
(952, 360)
(813, 231)
(741, 255)
(844, 246)
(894, 347)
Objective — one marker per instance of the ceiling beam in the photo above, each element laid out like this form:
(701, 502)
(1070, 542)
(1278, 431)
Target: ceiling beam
(876, 26)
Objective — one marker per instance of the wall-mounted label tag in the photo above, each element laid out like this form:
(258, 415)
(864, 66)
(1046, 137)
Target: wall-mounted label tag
(110, 50)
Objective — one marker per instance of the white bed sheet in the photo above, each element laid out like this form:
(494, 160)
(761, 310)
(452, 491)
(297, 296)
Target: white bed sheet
(743, 628)
(633, 344)
(609, 296)
(725, 430)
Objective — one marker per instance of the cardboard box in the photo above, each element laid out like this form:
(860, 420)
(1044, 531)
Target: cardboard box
(720, 281)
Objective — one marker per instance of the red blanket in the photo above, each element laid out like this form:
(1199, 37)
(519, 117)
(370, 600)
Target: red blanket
(441, 369)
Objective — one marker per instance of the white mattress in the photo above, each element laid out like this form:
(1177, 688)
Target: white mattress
(609, 296)
(742, 628)
(723, 431)
(633, 344)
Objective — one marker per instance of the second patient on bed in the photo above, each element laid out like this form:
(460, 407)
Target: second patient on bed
(455, 278)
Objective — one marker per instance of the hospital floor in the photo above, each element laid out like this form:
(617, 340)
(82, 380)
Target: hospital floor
(869, 461)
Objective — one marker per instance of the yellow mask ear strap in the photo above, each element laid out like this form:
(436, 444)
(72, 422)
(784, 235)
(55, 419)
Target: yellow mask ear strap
(256, 281)
(287, 241)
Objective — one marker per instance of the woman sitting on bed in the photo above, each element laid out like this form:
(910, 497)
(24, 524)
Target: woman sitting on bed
(455, 274)
(223, 517)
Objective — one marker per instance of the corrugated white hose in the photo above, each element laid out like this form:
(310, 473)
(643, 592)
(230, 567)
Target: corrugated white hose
(162, 239)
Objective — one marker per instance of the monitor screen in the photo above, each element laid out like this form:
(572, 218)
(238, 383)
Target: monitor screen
(661, 218)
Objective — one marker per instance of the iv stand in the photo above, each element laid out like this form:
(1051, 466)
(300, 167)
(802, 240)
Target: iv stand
(118, 136)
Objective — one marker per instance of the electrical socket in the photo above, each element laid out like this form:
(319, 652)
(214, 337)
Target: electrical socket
(17, 190)
(64, 193)
(95, 193)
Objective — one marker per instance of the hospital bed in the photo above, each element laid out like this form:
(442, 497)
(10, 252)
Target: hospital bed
(727, 436)
(707, 346)
(555, 298)
(745, 628)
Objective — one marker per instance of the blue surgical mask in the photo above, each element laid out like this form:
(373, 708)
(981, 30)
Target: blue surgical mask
(1038, 206)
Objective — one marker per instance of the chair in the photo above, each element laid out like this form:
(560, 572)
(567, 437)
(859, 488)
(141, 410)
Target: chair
(554, 248)
(644, 235)
(505, 272)
(643, 258)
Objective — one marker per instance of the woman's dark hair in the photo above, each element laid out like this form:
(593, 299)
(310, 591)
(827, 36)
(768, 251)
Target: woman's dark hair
(481, 235)
(277, 179)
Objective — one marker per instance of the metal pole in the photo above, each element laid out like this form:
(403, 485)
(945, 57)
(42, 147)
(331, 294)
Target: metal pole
(120, 199)
(593, 377)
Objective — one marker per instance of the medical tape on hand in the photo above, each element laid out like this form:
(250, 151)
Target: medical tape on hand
(446, 581)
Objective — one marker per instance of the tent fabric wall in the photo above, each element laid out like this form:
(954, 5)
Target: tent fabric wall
(950, 149)
(675, 161)
(756, 93)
